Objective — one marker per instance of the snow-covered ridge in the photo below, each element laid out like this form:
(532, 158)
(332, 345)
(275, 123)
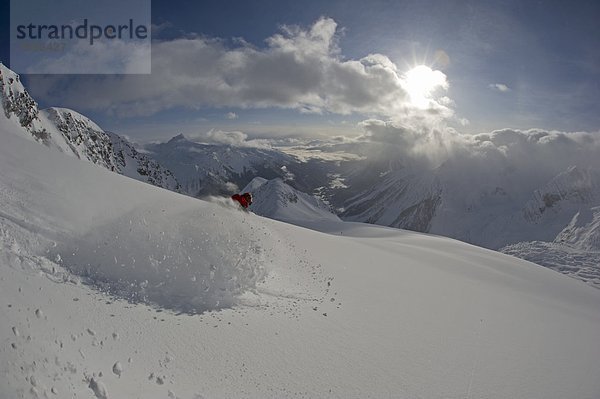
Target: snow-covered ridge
(277, 200)
(575, 186)
(85, 139)
(205, 169)
(16, 101)
(76, 135)
(583, 232)
(399, 199)
(575, 251)
(133, 163)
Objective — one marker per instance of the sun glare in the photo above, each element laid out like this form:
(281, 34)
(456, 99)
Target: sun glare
(420, 82)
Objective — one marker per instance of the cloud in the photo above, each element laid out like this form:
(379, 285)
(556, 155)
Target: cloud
(231, 115)
(232, 138)
(300, 68)
(104, 57)
(499, 87)
(421, 144)
(158, 29)
(548, 149)
(533, 152)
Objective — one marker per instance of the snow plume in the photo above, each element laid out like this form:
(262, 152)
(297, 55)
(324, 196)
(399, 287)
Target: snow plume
(300, 68)
(231, 187)
(190, 260)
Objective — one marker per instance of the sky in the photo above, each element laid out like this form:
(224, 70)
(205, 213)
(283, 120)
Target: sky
(326, 68)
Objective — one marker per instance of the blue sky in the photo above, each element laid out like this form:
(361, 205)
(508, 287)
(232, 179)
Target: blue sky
(517, 64)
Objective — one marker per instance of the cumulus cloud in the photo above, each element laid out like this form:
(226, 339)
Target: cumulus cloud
(231, 138)
(231, 115)
(420, 143)
(300, 68)
(549, 149)
(532, 152)
(499, 87)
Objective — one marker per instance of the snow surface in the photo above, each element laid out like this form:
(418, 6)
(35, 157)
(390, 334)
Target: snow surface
(356, 311)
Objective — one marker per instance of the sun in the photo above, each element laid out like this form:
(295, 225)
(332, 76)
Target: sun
(420, 83)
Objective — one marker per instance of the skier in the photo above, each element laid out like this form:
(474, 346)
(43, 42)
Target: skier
(245, 200)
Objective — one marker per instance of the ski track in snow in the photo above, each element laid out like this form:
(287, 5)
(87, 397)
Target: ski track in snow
(68, 370)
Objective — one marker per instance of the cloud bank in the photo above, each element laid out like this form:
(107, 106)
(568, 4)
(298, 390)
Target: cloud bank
(231, 138)
(299, 68)
(532, 154)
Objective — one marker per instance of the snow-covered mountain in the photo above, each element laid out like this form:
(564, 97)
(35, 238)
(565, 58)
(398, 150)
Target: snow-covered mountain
(497, 209)
(111, 288)
(277, 200)
(399, 199)
(76, 135)
(132, 163)
(204, 169)
(575, 251)
(564, 194)
(18, 104)
(485, 208)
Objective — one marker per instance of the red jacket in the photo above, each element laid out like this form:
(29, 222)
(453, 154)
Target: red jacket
(241, 199)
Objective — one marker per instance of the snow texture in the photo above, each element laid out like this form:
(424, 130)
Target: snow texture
(191, 258)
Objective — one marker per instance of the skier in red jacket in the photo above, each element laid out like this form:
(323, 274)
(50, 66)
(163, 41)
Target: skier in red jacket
(245, 200)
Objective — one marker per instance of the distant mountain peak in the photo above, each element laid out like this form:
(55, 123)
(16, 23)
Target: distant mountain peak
(178, 138)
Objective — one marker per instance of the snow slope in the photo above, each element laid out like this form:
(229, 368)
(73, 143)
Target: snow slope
(110, 288)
